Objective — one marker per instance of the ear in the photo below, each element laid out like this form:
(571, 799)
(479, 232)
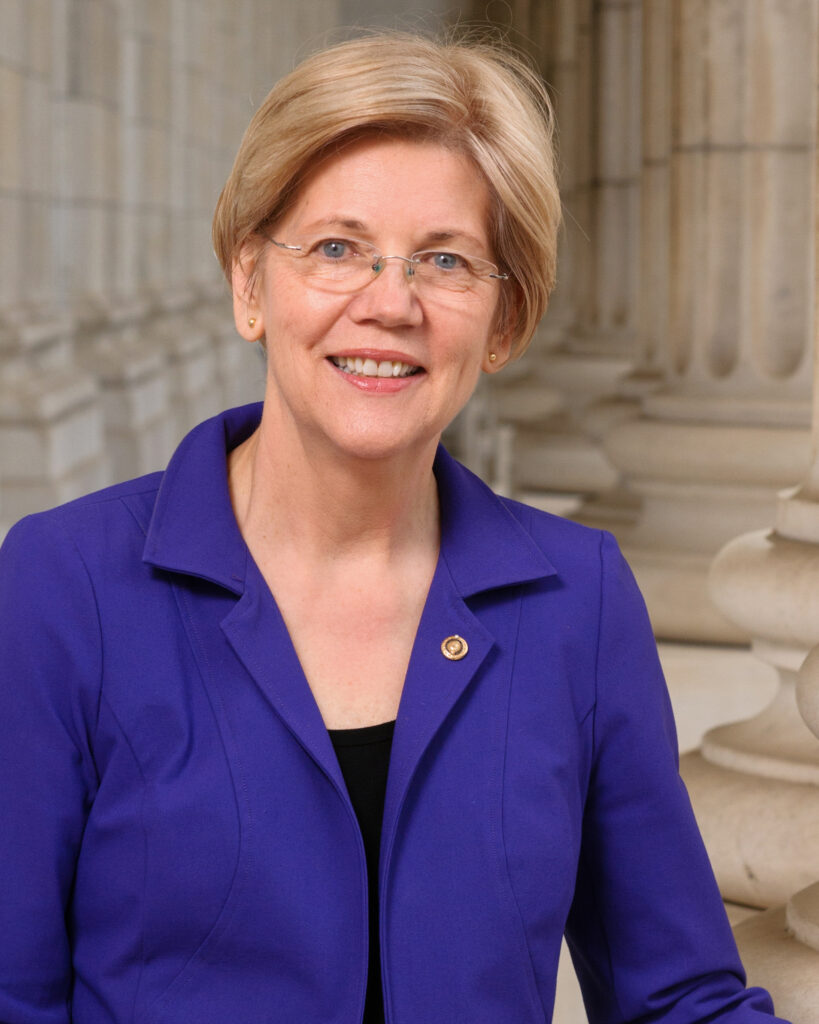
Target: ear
(245, 284)
(498, 350)
(499, 345)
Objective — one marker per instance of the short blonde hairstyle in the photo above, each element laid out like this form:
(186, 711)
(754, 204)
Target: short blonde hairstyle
(477, 98)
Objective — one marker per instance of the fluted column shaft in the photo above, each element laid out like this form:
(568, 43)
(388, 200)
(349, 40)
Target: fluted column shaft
(729, 427)
(122, 118)
(655, 193)
(51, 440)
(613, 307)
(619, 507)
(766, 770)
(587, 349)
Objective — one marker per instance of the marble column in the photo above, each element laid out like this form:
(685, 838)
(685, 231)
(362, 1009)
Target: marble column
(729, 427)
(755, 784)
(780, 947)
(493, 431)
(619, 507)
(579, 357)
(122, 119)
(51, 435)
(113, 344)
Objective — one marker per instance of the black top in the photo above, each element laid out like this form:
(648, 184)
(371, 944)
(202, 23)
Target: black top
(364, 758)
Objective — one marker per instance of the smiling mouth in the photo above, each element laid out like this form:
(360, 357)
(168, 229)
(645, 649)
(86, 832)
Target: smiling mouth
(374, 368)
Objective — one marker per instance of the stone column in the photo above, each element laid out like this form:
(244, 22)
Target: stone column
(655, 198)
(619, 507)
(729, 427)
(580, 357)
(780, 947)
(495, 428)
(50, 424)
(755, 784)
(112, 307)
(569, 74)
(33, 81)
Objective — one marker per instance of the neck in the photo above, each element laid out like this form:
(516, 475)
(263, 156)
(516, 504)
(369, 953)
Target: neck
(330, 505)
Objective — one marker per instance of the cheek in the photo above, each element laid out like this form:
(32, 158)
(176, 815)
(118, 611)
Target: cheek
(299, 316)
(467, 337)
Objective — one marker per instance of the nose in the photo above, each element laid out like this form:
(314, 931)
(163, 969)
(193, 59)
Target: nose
(389, 298)
(409, 269)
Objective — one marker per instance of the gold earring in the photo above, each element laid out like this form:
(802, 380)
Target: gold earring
(492, 357)
(251, 321)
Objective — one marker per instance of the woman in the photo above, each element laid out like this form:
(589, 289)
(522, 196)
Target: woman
(204, 667)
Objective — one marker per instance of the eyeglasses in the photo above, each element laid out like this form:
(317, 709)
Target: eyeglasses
(345, 264)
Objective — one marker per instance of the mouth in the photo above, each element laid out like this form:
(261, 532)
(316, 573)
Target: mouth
(384, 368)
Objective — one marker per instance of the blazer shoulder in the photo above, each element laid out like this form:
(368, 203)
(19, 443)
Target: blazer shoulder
(556, 535)
(93, 518)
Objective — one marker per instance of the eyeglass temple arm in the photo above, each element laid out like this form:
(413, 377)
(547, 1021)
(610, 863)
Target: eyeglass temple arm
(284, 245)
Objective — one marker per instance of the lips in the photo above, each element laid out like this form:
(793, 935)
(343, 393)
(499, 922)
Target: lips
(369, 367)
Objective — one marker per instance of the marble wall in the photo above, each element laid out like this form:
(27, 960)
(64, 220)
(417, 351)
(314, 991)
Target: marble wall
(120, 120)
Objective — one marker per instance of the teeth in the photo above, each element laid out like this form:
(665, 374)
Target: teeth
(371, 368)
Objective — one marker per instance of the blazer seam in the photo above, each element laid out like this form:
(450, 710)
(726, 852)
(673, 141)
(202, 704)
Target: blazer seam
(101, 654)
(534, 990)
(591, 874)
(225, 913)
(142, 912)
(131, 512)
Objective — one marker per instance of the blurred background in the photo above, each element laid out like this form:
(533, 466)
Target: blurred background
(667, 396)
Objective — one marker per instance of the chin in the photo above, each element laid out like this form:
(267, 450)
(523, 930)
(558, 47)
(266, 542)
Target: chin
(374, 447)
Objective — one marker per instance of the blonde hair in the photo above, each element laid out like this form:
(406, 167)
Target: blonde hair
(478, 98)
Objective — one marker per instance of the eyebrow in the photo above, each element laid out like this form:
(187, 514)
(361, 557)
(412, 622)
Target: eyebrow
(333, 221)
(430, 238)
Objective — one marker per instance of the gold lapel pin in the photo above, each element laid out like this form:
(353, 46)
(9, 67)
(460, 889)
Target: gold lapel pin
(454, 648)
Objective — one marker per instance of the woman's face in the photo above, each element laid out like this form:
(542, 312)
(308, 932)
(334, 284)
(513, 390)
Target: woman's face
(401, 197)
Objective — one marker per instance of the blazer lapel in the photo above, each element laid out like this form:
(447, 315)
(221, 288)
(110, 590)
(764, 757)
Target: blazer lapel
(432, 686)
(258, 635)
(483, 547)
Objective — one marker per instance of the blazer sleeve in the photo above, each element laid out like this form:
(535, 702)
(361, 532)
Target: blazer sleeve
(647, 930)
(50, 667)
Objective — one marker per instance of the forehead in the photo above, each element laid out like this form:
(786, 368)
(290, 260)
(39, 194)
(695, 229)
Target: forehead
(382, 186)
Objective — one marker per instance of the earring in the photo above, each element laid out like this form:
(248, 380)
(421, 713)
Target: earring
(251, 321)
(492, 357)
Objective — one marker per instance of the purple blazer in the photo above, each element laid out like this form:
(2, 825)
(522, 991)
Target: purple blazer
(177, 844)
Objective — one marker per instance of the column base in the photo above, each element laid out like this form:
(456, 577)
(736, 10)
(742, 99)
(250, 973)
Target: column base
(51, 441)
(802, 916)
(564, 461)
(775, 959)
(555, 449)
(775, 743)
(700, 484)
(710, 685)
(674, 585)
(761, 833)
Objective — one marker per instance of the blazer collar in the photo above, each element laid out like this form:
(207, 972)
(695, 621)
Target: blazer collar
(193, 530)
(483, 543)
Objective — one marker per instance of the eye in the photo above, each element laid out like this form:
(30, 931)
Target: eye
(335, 249)
(446, 261)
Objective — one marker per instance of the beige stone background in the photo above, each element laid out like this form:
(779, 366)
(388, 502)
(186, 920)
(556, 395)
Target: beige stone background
(668, 395)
